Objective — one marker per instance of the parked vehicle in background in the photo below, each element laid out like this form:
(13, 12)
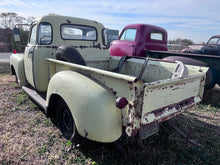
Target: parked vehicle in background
(111, 35)
(212, 47)
(135, 39)
(207, 55)
(66, 68)
(206, 60)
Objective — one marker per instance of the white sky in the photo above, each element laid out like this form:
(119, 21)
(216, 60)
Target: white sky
(191, 19)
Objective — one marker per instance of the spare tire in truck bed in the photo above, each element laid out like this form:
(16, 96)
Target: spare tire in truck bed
(70, 54)
(210, 74)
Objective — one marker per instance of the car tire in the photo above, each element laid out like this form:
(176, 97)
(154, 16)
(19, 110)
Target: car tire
(65, 121)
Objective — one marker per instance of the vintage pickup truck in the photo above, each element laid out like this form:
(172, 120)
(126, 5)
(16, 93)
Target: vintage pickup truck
(68, 71)
(136, 39)
(212, 47)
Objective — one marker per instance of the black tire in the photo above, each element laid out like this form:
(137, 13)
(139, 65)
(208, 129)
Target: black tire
(210, 79)
(69, 54)
(65, 121)
(12, 72)
(16, 79)
(186, 60)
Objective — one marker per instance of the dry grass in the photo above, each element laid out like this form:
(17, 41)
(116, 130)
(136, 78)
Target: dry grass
(4, 67)
(29, 137)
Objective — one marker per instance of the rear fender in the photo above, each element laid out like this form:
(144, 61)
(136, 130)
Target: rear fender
(17, 68)
(92, 106)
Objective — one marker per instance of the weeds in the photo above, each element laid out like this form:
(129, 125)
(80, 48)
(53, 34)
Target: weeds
(42, 150)
(69, 143)
(20, 98)
(15, 108)
(47, 122)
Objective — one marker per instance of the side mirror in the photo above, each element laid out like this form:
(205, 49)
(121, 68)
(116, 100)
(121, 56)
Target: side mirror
(16, 32)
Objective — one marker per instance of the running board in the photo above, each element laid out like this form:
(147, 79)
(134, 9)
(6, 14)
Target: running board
(35, 96)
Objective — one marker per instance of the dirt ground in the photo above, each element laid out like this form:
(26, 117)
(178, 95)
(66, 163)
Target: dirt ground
(25, 132)
(27, 136)
(4, 67)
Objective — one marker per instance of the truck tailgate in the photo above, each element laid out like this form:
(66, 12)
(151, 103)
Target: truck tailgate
(164, 99)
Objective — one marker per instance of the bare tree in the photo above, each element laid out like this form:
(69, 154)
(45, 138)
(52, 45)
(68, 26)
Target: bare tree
(8, 20)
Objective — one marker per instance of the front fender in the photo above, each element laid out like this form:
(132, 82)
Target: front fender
(17, 62)
(92, 106)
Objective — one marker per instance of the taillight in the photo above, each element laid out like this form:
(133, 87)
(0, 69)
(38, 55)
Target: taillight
(121, 102)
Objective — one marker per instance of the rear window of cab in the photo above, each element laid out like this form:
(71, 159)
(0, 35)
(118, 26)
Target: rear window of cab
(78, 32)
(157, 35)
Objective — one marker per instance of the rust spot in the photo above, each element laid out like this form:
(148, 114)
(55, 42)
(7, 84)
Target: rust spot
(134, 132)
(49, 47)
(203, 79)
(85, 133)
(178, 106)
(68, 21)
(114, 92)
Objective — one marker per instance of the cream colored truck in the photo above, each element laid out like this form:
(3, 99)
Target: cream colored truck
(66, 68)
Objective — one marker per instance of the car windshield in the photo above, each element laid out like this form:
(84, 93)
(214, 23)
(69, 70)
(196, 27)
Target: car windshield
(214, 40)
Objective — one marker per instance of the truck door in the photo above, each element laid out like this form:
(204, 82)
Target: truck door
(125, 45)
(29, 55)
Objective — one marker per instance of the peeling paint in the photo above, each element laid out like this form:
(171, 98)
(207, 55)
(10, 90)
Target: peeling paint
(168, 112)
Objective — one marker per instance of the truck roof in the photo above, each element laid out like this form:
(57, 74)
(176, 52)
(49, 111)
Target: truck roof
(144, 25)
(56, 22)
(59, 19)
(215, 36)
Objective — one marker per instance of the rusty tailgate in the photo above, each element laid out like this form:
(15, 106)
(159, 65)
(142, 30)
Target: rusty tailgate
(165, 99)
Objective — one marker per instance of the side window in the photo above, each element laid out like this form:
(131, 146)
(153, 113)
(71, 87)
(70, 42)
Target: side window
(213, 41)
(156, 35)
(129, 35)
(33, 36)
(45, 34)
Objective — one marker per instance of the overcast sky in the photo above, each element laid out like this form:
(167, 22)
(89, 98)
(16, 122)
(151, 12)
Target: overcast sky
(191, 19)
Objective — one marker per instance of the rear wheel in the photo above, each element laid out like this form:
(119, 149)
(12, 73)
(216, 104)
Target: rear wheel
(210, 79)
(65, 121)
(14, 73)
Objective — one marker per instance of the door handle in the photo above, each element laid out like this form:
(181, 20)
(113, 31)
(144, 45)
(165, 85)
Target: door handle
(131, 45)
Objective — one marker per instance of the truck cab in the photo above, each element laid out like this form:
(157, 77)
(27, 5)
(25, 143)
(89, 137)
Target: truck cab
(135, 39)
(50, 32)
